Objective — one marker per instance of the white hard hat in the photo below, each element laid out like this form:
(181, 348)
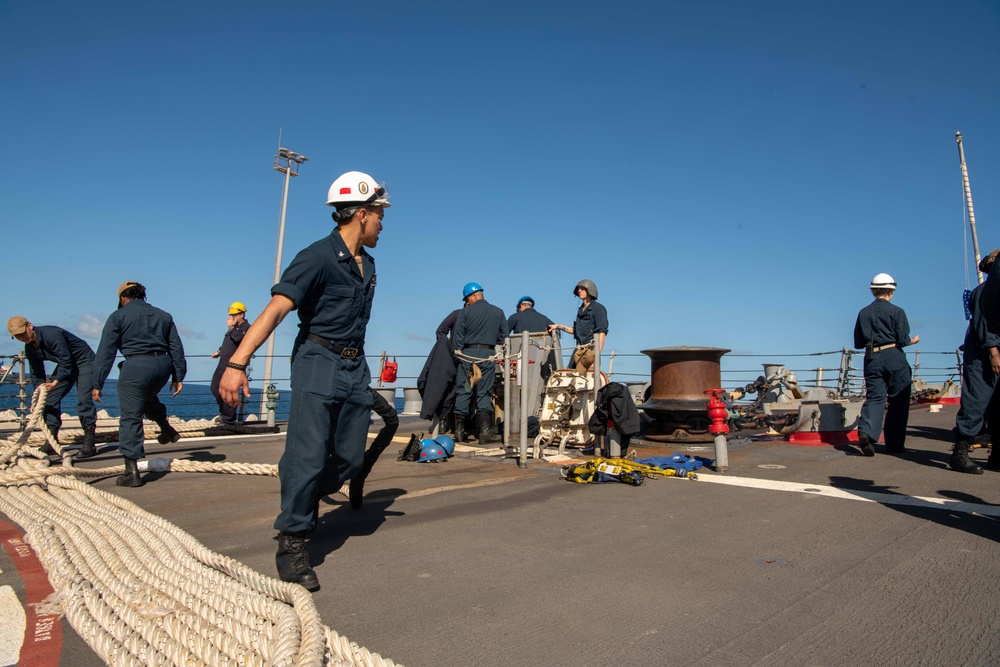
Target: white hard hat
(356, 189)
(883, 281)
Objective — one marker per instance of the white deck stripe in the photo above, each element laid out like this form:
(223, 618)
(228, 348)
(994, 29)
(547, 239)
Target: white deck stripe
(12, 624)
(849, 494)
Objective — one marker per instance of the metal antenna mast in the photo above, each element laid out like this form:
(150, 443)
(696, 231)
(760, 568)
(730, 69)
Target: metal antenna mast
(968, 203)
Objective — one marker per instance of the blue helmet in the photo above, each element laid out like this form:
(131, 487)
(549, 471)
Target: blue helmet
(523, 299)
(431, 451)
(446, 443)
(471, 288)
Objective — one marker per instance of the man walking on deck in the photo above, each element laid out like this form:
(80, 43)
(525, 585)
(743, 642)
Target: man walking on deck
(237, 328)
(148, 339)
(332, 284)
(481, 326)
(882, 330)
(74, 366)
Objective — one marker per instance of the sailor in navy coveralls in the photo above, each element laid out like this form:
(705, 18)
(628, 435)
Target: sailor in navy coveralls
(74, 365)
(480, 327)
(883, 330)
(148, 339)
(980, 406)
(331, 284)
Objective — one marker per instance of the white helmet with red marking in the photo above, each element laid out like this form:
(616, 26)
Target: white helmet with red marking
(355, 189)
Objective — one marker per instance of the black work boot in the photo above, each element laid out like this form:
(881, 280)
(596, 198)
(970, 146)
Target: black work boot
(486, 435)
(460, 428)
(356, 492)
(866, 444)
(293, 561)
(131, 476)
(89, 449)
(168, 433)
(960, 457)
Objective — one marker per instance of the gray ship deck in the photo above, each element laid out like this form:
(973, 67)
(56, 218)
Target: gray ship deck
(474, 561)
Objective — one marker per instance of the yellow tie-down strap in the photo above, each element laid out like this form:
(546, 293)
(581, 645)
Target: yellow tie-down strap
(584, 473)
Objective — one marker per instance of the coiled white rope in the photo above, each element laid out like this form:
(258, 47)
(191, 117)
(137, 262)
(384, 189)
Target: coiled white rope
(140, 591)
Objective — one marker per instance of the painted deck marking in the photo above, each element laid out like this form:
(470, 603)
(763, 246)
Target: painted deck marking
(42, 638)
(851, 494)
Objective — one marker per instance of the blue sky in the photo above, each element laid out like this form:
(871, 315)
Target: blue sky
(730, 174)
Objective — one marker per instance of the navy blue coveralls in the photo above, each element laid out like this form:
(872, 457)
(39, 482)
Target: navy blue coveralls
(154, 355)
(480, 327)
(990, 299)
(331, 402)
(529, 320)
(590, 320)
(74, 365)
(887, 375)
(978, 380)
(448, 324)
(230, 342)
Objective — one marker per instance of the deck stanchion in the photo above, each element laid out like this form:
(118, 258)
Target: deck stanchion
(22, 403)
(598, 444)
(522, 459)
(508, 387)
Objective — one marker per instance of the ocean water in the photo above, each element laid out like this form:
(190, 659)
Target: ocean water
(194, 402)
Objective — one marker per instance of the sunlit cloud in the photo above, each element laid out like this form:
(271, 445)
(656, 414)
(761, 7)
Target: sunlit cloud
(187, 333)
(413, 336)
(89, 326)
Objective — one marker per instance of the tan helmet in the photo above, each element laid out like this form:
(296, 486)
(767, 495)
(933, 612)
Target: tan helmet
(587, 285)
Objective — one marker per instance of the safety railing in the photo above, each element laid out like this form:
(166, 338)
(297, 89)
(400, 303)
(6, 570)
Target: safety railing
(838, 371)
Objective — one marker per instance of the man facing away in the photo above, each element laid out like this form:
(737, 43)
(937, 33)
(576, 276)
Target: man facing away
(527, 318)
(332, 284)
(481, 326)
(74, 366)
(237, 327)
(882, 330)
(147, 338)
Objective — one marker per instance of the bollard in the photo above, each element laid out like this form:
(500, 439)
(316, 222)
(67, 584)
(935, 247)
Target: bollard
(717, 413)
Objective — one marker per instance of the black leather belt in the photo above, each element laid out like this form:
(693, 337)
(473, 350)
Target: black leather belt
(336, 348)
(479, 346)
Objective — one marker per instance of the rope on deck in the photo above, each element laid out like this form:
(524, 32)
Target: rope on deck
(140, 591)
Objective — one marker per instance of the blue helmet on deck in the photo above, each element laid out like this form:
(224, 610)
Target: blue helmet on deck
(471, 288)
(446, 443)
(430, 450)
(523, 299)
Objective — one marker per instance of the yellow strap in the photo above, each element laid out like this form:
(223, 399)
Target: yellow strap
(583, 473)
